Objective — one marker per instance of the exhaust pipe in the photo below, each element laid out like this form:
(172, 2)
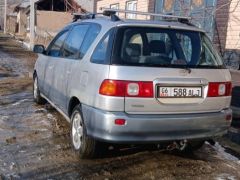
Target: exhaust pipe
(179, 145)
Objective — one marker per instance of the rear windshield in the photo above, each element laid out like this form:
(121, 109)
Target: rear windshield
(141, 46)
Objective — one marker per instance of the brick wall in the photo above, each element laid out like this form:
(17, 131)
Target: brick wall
(227, 31)
(233, 28)
(221, 24)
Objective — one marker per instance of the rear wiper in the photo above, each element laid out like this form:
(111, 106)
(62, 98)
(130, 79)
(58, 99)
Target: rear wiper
(187, 68)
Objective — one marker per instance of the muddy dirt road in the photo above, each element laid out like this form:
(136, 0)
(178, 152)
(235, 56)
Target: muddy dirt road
(35, 143)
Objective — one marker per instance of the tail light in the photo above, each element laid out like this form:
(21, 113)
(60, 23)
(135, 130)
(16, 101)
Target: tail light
(126, 88)
(112, 88)
(216, 89)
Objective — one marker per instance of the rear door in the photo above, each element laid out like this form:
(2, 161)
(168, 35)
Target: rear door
(179, 64)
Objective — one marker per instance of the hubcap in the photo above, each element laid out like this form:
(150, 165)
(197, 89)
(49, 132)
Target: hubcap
(77, 131)
(35, 88)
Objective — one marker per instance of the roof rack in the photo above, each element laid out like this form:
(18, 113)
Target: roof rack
(81, 16)
(112, 14)
(109, 12)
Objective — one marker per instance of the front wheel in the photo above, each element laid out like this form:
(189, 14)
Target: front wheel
(84, 146)
(36, 92)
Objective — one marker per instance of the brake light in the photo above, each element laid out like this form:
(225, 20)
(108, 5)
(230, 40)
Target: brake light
(126, 88)
(216, 89)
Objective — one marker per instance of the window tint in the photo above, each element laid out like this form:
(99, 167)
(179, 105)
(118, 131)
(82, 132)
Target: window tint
(71, 47)
(54, 48)
(92, 33)
(102, 53)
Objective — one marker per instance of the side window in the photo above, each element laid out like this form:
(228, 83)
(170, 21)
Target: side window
(208, 55)
(102, 53)
(54, 48)
(92, 33)
(74, 41)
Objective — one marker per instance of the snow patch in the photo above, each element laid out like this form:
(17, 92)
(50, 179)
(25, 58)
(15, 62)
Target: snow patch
(223, 154)
(50, 116)
(19, 102)
(225, 176)
(4, 118)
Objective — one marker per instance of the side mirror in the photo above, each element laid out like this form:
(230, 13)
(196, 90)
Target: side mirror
(40, 49)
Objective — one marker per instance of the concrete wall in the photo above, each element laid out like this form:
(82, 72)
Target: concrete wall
(48, 23)
(11, 24)
(22, 22)
(52, 21)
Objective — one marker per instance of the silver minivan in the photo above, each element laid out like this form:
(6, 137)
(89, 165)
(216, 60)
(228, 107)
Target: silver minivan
(134, 81)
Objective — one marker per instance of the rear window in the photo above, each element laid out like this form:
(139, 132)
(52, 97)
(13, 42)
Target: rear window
(141, 46)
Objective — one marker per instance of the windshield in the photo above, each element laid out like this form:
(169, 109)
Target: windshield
(141, 46)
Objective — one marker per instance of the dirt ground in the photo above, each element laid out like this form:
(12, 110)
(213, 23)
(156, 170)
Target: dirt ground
(35, 142)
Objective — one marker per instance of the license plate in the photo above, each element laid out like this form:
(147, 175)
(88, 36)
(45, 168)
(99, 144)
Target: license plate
(180, 92)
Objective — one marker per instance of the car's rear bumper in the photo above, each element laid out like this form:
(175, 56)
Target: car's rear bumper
(154, 128)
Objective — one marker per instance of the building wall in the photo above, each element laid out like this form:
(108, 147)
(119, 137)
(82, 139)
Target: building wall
(142, 5)
(233, 26)
(86, 4)
(221, 24)
(22, 22)
(48, 23)
(1, 15)
(11, 24)
(227, 32)
(52, 21)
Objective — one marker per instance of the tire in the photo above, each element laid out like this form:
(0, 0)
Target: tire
(36, 92)
(83, 145)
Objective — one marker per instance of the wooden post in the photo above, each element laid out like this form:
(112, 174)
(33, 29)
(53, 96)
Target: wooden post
(32, 23)
(5, 17)
(52, 5)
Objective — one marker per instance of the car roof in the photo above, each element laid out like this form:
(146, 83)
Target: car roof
(108, 23)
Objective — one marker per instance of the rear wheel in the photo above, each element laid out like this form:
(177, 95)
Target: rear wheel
(36, 92)
(84, 146)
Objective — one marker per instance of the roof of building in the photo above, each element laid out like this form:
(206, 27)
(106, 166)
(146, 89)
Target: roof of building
(22, 5)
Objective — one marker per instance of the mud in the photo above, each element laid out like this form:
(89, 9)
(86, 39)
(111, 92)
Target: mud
(35, 142)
